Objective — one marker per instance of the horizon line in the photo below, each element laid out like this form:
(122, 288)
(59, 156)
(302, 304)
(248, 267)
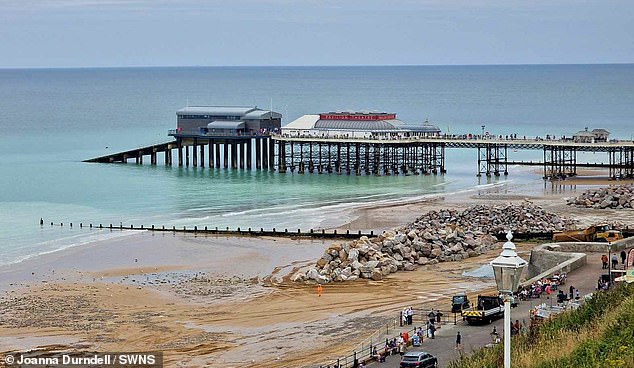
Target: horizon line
(300, 66)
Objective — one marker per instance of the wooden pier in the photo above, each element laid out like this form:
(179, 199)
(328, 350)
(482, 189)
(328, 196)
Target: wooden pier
(374, 156)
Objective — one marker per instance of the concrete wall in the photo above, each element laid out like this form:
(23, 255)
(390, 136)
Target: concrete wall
(551, 258)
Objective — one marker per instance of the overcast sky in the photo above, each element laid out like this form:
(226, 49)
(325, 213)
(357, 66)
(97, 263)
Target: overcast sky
(85, 33)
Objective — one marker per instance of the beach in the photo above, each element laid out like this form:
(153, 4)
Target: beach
(221, 301)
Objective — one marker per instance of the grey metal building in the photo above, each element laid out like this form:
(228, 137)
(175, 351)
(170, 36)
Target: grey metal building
(226, 120)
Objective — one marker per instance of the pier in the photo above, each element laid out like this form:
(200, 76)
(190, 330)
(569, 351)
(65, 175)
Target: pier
(379, 156)
(361, 143)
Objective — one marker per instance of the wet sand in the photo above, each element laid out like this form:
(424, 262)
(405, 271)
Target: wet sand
(223, 301)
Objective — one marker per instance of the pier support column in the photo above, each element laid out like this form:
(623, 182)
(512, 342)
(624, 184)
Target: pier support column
(265, 154)
(292, 163)
(180, 154)
(234, 154)
(211, 154)
(225, 156)
(338, 163)
(258, 154)
(320, 166)
(249, 153)
(202, 155)
(153, 157)
(186, 156)
(217, 154)
(195, 153)
(271, 145)
(357, 160)
(168, 156)
(241, 154)
(281, 157)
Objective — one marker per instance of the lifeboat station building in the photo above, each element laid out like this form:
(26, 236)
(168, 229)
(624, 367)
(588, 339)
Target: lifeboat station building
(379, 125)
(226, 121)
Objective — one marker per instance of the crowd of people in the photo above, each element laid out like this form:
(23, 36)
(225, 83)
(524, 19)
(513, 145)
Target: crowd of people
(545, 286)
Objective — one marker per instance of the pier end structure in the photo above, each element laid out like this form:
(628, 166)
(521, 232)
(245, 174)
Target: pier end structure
(221, 136)
(234, 135)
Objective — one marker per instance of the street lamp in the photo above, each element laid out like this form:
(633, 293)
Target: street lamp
(609, 264)
(507, 268)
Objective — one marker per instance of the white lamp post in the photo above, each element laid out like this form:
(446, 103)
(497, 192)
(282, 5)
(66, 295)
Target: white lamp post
(507, 268)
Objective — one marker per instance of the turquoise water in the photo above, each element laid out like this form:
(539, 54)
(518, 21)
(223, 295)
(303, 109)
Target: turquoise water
(53, 119)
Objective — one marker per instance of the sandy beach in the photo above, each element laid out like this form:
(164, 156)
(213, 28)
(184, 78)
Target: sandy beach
(211, 301)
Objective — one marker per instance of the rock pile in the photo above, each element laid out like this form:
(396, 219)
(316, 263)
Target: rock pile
(437, 236)
(616, 197)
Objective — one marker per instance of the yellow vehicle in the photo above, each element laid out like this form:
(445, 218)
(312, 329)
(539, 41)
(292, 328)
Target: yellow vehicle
(596, 233)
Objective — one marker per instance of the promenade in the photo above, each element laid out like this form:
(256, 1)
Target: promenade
(476, 337)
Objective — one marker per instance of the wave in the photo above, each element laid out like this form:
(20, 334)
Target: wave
(313, 214)
(60, 244)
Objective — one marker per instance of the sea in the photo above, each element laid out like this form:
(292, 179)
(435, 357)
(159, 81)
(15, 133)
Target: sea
(52, 119)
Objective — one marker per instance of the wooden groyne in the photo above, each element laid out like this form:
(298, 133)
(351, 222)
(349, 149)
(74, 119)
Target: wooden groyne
(375, 156)
(208, 230)
(275, 232)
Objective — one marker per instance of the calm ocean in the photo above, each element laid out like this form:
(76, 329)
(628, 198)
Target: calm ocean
(52, 119)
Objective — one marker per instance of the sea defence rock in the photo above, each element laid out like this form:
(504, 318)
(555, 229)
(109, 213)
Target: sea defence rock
(437, 236)
(614, 197)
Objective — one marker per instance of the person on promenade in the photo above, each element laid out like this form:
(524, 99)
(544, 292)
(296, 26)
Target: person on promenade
(615, 261)
(604, 261)
(458, 341)
(432, 316)
(495, 337)
(623, 257)
(401, 345)
(571, 290)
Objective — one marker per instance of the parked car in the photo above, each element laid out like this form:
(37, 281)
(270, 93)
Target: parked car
(418, 359)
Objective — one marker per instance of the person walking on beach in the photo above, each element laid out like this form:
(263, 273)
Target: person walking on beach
(604, 261)
(320, 290)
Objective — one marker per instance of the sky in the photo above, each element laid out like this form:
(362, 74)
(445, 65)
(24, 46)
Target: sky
(122, 33)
